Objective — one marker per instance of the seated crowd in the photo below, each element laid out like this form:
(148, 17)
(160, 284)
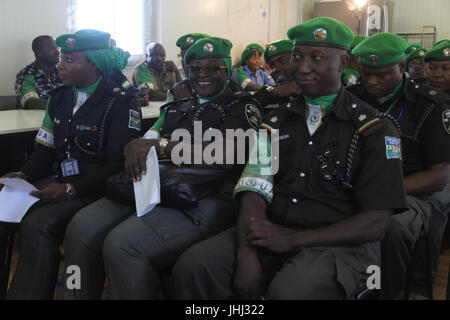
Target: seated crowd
(357, 134)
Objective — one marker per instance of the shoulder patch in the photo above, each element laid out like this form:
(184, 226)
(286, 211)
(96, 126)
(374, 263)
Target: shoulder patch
(446, 120)
(393, 150)
(253, 115)
(134, 120)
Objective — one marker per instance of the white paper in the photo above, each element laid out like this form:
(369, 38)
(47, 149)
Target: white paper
(147, 190)
(15, 199)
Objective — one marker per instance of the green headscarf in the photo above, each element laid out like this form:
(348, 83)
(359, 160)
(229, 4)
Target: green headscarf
(110, 60)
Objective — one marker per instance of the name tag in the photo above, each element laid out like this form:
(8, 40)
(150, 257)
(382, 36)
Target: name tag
(69, 167)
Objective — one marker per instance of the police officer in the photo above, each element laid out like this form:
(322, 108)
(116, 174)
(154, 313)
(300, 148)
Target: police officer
(277, 55)
(438, 70)
(415, 65)
(183, 89)
(88, 122)
(165, 232)
(307, 231)
(250, 75)
(423, 115)
(351, 73)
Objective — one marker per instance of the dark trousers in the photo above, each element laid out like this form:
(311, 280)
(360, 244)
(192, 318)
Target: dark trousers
(400, 242)
(84, 242)
(206, 271)
(41, 233)
(139, 249)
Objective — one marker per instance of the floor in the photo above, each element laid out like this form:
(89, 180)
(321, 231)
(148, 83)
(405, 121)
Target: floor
(440, 291)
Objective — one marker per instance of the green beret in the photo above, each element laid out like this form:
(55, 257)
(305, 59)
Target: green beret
(419, 52)
(381, 49)
(277, 47)
(252, 47)
(212, 47)
(323, 31)
(357, 40)
(184, 42)
(440, 51)
(412, 47)
(86, 39)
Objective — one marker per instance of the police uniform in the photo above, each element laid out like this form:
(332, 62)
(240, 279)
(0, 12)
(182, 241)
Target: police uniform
(424, 116)
(164, 233)
(83, 134)
(350, 163)
(32, 82)
(242, 75)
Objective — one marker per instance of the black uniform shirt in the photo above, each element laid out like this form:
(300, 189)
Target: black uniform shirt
(95, 134)
(424, 118)
(228, 111)
(309, 188)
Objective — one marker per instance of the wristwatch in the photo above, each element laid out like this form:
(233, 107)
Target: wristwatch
(163, 142)
(70, 193)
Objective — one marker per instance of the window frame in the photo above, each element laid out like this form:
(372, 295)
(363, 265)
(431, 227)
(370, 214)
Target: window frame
(134, 59)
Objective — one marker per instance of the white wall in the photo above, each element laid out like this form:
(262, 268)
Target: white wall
(411, 15)
(240, 21)
(20, 22)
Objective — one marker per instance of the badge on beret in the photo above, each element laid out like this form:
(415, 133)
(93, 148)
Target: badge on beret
(433, 92)
(320, 34)
(208, 48)
(70, 42)
(446, 120)
(446, 52)
(373, 59)
(413, 49)
(421, 53)
(189, 40)
(272, 48)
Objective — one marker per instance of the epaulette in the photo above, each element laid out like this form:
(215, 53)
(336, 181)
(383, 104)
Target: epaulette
(274, 119)
(424, 90)
(242, 96)
(184, 104)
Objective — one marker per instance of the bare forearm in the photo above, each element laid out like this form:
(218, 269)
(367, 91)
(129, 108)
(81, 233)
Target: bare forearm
(36, 104)
(431, 180)
(252, 208)
(155, 95)
(364, 227)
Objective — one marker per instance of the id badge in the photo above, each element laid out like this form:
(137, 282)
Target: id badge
(69, 167)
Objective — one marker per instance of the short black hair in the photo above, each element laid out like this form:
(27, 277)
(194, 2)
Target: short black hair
(37, 42)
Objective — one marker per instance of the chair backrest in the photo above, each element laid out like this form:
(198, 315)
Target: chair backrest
(8, 103)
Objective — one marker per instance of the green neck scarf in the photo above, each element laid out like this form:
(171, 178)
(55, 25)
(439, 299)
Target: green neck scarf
(325, 101)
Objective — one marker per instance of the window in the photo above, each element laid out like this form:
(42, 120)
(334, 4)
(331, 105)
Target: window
(128, 21)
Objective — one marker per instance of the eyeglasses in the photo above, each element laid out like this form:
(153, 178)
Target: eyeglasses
(197, 69)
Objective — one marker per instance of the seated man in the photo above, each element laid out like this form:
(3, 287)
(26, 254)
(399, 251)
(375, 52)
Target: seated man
(183, 89)
(250, 75)
(308, 231)
(35, 81)
(155, 75)
(88, 122)
(421, 113)
(438, 69)
(277, 55)
(351, 74)
(137, 250)
(415, 66)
